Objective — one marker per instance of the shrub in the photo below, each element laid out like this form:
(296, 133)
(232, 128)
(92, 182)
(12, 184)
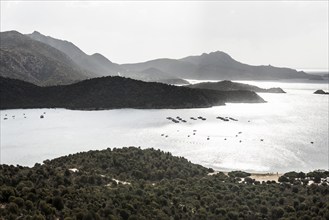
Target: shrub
(283, 179)
(58, 203)
(289, 208)
(240, 174)
(277, 212)
(13, 208)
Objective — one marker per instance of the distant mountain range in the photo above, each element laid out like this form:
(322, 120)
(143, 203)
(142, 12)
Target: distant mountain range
(43, 60)
(153, 75)
(114, 92)
(101, 66)
(218, 66)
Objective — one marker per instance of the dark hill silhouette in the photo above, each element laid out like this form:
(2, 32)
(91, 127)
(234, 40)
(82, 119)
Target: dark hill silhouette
(231, 86)
(114, 92)
(32, 61)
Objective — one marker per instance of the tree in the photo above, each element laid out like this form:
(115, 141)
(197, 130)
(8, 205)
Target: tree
(58, 203)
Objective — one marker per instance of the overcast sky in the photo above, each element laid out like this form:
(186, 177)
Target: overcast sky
(289, 34)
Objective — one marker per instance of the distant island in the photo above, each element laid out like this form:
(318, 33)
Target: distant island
(131, 183)
(115, 92)
(321, 92)
(233, 86)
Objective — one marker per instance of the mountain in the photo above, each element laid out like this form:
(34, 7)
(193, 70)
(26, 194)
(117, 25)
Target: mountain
(218, 66)
(100, 65)
(44, 60)
(177, 68)
(32, 61)
(232, 86)
(96, 63)
(114, 92)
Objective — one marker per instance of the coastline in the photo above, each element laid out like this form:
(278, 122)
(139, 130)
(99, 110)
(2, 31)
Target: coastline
(256, 176)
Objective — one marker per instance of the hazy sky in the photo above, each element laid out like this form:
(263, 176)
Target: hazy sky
(291, 34)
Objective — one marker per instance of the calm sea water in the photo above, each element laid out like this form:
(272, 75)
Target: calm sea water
(289, 132)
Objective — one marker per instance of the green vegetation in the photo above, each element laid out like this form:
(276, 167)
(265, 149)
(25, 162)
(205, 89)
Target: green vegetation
(131, 183)
(240, 174)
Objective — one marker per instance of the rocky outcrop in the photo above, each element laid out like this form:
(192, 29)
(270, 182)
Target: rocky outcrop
(233, 86)
(321, 92)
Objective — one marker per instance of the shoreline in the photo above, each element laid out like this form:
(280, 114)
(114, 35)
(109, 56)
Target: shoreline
(256, 176)
(266, 176)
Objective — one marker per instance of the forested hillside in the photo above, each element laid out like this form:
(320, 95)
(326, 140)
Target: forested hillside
(131, 183)
(114, 92)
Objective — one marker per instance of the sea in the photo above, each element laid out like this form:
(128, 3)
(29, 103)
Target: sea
(288, 132)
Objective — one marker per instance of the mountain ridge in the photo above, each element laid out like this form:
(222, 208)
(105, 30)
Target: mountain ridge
(62, 62)
(99, 64)
(218, 65)
(25, 59)
(96, 63)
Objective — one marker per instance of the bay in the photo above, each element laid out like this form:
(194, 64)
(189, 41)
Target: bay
(289, 132)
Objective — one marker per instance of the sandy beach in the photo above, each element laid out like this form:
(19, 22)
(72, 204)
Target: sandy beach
(258, 176)
(266, 176)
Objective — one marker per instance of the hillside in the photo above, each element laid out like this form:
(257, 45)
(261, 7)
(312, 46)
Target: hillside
(114, 92)
(218, 66)
(96, 63)
(232, 86)
(32, 61)
(131, 183)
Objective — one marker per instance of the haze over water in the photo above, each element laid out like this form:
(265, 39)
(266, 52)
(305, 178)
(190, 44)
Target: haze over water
(271, 137)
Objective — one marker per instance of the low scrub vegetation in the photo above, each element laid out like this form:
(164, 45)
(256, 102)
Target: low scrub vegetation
(131, 183)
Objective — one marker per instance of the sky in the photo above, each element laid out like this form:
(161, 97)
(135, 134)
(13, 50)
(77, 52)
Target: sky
(280, 33)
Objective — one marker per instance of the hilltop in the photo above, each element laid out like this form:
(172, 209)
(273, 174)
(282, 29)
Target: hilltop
(131, 183)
